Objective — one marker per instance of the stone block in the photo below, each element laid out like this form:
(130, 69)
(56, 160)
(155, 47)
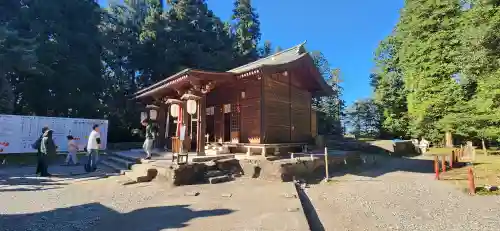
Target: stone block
(229, 165)
(219, 179)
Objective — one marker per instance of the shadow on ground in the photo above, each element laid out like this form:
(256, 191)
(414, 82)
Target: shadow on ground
(24, 178)
(95, 216)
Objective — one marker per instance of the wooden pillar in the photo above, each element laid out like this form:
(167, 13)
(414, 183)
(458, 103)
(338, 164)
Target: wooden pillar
(167, 128)
(199, 136)
(202, 125)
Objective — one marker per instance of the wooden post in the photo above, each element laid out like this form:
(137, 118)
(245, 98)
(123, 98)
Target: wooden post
(199, 135)
(472, 186)
(452, 159)
(461, 151)
(327, 176)
(436, 167)
(443, 163)
(167, 124)
(202, 123)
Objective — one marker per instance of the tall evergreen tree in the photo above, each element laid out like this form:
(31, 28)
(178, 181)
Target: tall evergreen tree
(266, 50)
(480, 38)
(390, 93)
(246, 26)
(200, 38)
(17, 48)
(69, 49)
(278, 49)
(428, 58)
(363, 119)
(330, 108)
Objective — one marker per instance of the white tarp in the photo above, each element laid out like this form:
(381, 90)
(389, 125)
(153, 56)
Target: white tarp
(17, 133)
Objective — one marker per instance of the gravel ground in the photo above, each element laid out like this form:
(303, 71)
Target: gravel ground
(96, 202)
(401, 195)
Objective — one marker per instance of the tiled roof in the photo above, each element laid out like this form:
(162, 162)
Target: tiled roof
(285, 56)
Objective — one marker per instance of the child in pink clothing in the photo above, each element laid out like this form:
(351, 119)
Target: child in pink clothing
(72, 149)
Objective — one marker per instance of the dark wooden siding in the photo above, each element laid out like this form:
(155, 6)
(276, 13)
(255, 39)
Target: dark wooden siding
(287, 108)
(300, 115)
(277, 108)
(245, 112)
(250, 110)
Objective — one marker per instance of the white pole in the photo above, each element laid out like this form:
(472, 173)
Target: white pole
(327, 177)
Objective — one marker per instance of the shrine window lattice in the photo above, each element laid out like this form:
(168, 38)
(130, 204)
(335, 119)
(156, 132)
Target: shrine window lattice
(235, 118)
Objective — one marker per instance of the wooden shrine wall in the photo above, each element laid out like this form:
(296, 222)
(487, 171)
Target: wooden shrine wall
(250, 115)
(287, 109)
(245, 109)
(277, 108)
(225, 94)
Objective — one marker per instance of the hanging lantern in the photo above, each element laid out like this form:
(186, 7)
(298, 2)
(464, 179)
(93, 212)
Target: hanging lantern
(191, 107)
(174, 110)
(153, 114)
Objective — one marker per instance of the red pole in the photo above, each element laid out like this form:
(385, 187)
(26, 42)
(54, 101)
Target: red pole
(443, 163)
(472, 186)
(436, 167)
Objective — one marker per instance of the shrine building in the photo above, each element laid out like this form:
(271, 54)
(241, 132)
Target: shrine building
(261, 106)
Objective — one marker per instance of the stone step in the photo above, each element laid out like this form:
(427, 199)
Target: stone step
(219, 179)
(113, 165)
(214, 173)
(199, 159)
(133, 175)
(128, 156)
(127, 164)
(146, 173)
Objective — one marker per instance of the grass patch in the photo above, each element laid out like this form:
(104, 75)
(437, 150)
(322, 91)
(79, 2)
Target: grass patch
(486, 172)
(484, 192)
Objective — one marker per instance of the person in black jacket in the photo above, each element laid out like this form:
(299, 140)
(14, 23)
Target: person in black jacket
(47, 148)
(36, 145)
(150, 137)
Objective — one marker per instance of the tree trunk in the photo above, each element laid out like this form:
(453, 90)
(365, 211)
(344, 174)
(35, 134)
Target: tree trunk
(448, 140)
(484, 147)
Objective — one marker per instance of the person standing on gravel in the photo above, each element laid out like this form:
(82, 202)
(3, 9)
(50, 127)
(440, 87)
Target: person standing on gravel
(150, 137)
(47, 148)
(39, 156)
(93, 146)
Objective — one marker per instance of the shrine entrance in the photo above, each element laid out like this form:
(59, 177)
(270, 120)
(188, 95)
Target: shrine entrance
(210, 122)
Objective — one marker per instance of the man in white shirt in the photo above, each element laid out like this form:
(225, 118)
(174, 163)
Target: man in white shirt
(93, 145)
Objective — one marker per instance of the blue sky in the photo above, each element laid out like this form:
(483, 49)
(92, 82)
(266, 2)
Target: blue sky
(347, 32)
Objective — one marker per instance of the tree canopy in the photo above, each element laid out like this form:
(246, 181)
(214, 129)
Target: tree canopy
(438, 71)
(74, 58)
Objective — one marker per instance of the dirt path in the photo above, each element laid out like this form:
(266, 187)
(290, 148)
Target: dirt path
(401, 195)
